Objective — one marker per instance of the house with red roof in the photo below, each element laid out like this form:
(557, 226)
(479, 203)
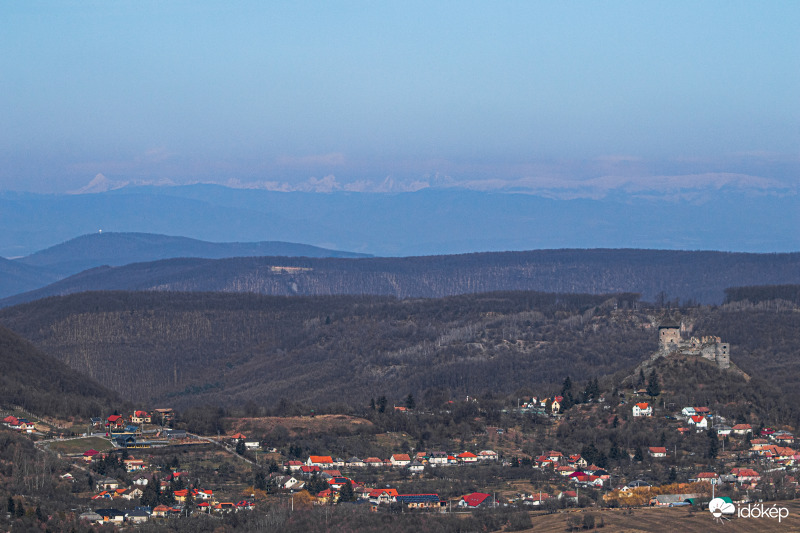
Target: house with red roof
(554, 456)
(322, 461)
(642, 409)
(746, 475)
(11, 421)
(742, 429)
(536, 499)
(89, 455)
(487, 455)
(383, 496)
(373, 462)
(338, 482)
(467, 458)
(576, 461)
(400, 459)
(555, 407)
(569, 496)
(141, 417)
(225, 507)
(711, 477)
(115, 421)
(565, 470)
(476, 500)
(699, 422)
(657, 451)
(294, 466)
(326, 496)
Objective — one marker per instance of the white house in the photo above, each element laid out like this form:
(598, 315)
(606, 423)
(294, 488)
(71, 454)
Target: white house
(400, 459)
(657, 451)
(699, 422)
(487, 455)
(642, 409)
(415, 467)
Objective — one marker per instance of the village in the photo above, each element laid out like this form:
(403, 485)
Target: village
(758, 454)
(143, 466)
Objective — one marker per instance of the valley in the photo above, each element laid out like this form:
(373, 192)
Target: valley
(556, 409)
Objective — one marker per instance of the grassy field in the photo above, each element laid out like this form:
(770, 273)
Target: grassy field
(74, 446)
(676, 519)
(296, 424)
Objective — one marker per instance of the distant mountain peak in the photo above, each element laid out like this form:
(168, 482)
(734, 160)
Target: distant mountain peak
(99, 184)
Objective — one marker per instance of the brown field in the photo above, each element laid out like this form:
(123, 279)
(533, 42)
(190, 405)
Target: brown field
(667, 520)
(297, 424)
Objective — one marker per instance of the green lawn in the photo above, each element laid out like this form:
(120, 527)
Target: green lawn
(69, 447)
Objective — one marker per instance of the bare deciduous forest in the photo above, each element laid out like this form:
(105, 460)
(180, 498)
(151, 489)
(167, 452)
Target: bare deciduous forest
(228, 349)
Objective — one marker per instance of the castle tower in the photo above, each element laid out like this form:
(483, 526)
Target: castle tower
(669, 336)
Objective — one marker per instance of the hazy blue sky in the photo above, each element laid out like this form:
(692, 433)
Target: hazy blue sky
(576, 96)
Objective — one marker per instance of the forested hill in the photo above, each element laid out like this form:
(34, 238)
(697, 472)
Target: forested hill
(16, 277)
(658, 275)
(116, 249)
(185, 349)
(786, 293)
(45, 386)
(213, 348)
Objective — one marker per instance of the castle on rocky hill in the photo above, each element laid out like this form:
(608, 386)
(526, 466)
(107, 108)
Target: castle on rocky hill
(711, 348)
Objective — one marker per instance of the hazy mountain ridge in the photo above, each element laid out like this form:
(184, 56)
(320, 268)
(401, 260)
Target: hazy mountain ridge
(655, 274)
(430, 221)
(116, 249)
(16, 277)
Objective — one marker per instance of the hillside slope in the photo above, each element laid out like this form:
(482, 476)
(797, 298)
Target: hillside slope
(46, 386)
(216, 348)
(116, 249)
(656, 274)
(16, 277)
(196, 348)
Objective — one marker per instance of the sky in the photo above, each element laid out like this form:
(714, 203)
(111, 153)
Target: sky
(571, 99)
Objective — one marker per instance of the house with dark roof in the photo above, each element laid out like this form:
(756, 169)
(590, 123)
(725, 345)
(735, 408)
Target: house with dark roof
(421, 501)
(111, 515)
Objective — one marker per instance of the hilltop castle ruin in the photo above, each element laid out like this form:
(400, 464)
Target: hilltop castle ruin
(709, 347)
